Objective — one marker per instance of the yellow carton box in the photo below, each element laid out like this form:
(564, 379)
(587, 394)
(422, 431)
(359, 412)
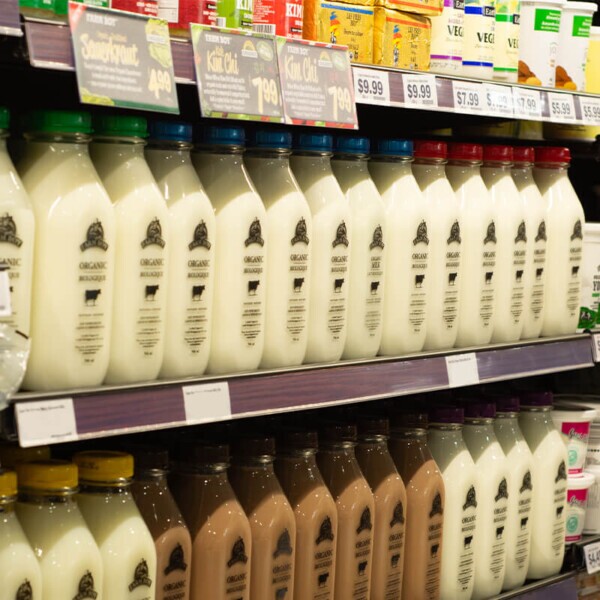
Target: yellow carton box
(430, 8)
(345, 24)
(401, 40)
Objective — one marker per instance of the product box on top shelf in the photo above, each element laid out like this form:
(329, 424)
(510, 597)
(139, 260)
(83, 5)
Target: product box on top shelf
(278, 17)
(430, 8)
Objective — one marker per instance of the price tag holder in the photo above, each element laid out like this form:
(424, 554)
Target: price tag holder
(591, 553)
(122, 59)
(46, 422)
(469, 97)
(206, 402)
(499, 100)
(420, 91)
(317, 85)
(371, 86)
(10, 24)
(590, 110)
(462, 369)
(561, 107)
(527, 104)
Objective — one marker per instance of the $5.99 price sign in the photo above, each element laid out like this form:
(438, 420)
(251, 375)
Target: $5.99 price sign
(590, 110)
(562, 107)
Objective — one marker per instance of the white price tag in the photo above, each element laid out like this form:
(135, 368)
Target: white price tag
(462, 369)
(527, 104)
(371, 86)
(499, 100)
(591, 553)
(590, 110)
(596, 347)
(46, 422)
(562, 108)
(5, 306)
(206, 402)
(468, 97)
(419, 90)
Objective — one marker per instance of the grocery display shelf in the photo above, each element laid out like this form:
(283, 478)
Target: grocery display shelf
(558, 587)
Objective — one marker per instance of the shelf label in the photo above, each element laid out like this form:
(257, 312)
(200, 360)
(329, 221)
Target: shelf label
(46, 422)
(237, 74)
(591, 552)
(419, 90)
(468, 97)
(371, 86)
(590, 110)
(10, 24)
(527, 104)
(122, 59)
(499, 100)
(462, 369)
(317, 85)
(561, 107)
(206, 402)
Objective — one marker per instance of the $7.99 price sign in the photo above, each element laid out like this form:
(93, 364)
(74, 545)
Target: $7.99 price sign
(468, 97)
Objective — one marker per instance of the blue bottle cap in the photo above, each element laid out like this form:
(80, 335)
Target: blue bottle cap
(352, 144)
(170, 131)
(313, 142)
(264, 138)
(395, 147)
(223, 136)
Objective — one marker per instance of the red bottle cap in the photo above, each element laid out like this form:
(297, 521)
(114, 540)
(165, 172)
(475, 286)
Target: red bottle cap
(523, 154)
(552, 154)
(430, 149)
(465, 152)
(494, 153)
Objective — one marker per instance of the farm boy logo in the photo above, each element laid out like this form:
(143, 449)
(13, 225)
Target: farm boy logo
(94, 237)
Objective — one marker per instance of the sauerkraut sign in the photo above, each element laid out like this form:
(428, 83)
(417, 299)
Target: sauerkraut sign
(122, 59)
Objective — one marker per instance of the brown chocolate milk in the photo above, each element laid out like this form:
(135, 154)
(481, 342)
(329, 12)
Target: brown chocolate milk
(221, 538)
(425, 506)
(271, 517)
(315, 512)
(162, 516)
(355, 506)
(390, 507)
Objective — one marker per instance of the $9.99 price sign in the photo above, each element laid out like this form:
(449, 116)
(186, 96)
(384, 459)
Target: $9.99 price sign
(419, 91)
(371, 86)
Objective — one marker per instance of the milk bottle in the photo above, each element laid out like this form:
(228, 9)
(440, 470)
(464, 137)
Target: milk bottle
(355, 508)
(535, 223)
(315, 513)
(272, 521)
(191, 251)
(407, 252)
(445, 245)
(127, 548)
(16, 234)
(240, 263)
(73, 262)
(367, 254)
(511, 249)
(21, 575)
(311, 164)
(389, 495)
(493, 493)
(549, 476)
(425, 498)
(564, 227)
(289, 229)
(68, 556)
(460, 511)
(520, 485)
(478, 220)
(221, 552)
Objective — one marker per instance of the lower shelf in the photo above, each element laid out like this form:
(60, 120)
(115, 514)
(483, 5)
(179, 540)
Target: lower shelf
(558, 587)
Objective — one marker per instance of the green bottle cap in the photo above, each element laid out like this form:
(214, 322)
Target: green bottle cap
(121, 126)
(57, 121)
(4, 117)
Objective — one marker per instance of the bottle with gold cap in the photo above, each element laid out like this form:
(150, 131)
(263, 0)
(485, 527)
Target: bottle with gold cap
(21, 575)
(69, 558)
(125, 543)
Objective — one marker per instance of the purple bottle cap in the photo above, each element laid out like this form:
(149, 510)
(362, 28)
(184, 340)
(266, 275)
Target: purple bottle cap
(537, 399)
(506, 404)
(446, 414)
(480, 410)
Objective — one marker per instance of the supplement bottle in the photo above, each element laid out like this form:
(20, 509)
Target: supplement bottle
(73, 264)
(367, 254)
(549, 478)
(126, 545)
(564, 227)
(67, 553)
(506, 40)
(190, 284)
(478, 39)
(141, 267)
(389, 495)
(328, 304)
(447, 38)
(289, 230)
(241, 261)
(407, 253)
(478, 230)
(445, 244)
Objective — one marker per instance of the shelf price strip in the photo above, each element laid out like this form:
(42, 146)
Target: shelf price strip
(420, 91)
(371, 86)
(468, 97)
(561, 108)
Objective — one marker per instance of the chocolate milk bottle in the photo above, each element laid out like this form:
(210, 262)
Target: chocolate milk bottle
(315, 512)
(163, 519)
(390, 507)
(425, 495)
(356, 508)
(271, 517)
(221, 540)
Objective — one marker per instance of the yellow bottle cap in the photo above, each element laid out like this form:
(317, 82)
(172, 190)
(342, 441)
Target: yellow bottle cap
(47, 475)
(11, 455)
(104, 466)
(8, 483)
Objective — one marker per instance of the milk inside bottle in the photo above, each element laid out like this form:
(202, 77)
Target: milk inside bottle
(493, 493)
(73, 263)
(315, 513)
(355, 508)
(67, 553)
(222, 545)
(450, 453)
(389, 495)
(407, 250)
(535, 223)
(564, 227)
(240, 264)
(478, 230)
(289, 229)
(126, 545)
(21, 575)
(367, 253)
(549, 476)
(328, 300)
(191, 251)
(511, 249)
(445, 246)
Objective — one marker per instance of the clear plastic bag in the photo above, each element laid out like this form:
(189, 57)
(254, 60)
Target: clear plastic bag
(14, 352)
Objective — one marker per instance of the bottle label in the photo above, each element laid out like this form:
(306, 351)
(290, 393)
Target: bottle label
(419, 260)
(560, 497)
(497, 559)
(375, 273)
(519, 263)
(488, 288)
(450, 310)
(141, 576)
(468, 524)
(478, 47)
(362, 554)
(434, 542)
(237, 578)
(253, 305)
(297, 302)
(575, 256)
(339, 276)
(395, 552)
(539, 263)
(283, 565)
(323, 560)
(524, 525)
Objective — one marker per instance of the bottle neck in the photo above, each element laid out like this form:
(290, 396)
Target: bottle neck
(561, 168)
(434, 168)
(451, 432)
(108, 488)
(120, 148)
(499, 167)
(7, 505)
(48, 497)
(316, 162)
(522, 168)
(153, 477)
(173, 152)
